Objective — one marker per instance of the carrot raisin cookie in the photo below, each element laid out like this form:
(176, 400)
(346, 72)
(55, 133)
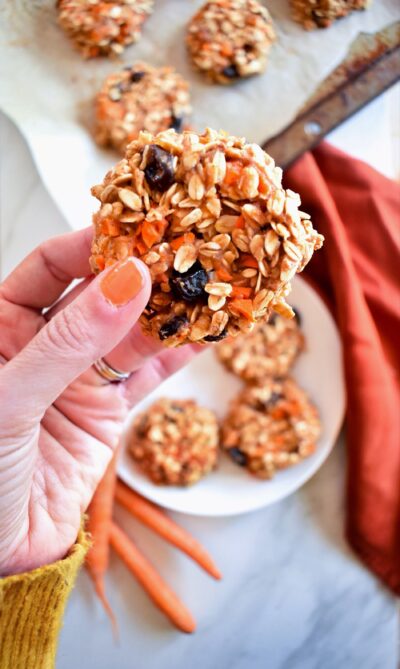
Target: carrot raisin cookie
(103, 27)
(271, 427)
(322, 13)
(138, 98)
(175, 442)
(209, 216)
(269, 350)
(229, 39)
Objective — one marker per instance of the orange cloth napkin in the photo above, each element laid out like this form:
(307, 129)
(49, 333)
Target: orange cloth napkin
(358, 271)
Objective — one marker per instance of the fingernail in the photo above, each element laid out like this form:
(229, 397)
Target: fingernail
(122, 283)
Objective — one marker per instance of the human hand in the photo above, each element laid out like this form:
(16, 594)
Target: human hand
(59, 419)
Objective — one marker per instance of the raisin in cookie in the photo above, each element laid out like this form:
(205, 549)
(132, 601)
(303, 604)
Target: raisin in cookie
(138, 98)
(175, 442)
(220, 235)
(103, 27)
(271, 427)
(230, 39)
(269, 350)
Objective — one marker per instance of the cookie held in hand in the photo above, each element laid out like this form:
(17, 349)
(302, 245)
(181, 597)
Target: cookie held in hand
(220, 235)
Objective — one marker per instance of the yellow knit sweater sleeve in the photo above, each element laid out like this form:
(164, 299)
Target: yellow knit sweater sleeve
(31, 610)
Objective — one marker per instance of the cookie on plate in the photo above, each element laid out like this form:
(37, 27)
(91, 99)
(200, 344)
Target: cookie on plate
(230, 39)
(322, 13)
(220, 235)
(175, 442)
(103, 27)
(140, 97)
(270, 427)
(269, 350)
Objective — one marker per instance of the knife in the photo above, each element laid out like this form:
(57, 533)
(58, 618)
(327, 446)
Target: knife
(371, 66)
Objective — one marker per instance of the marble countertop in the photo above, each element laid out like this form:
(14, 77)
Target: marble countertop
(293, 596)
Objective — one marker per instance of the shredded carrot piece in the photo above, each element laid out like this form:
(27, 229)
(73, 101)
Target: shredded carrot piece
(222, 273)
(233, 172)
(100, 262)
(142, 248)
(242, 308)
(241, 291)
(263, 185)
(187, 238)
(247, 260)
(110, 227)
(240, 223)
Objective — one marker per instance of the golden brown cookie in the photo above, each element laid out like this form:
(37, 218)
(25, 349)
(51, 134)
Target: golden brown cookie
(230, 39)
(175, 442)
(220, 235)
(270, 427)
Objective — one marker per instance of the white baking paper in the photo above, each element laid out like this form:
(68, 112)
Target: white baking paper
(46, 88)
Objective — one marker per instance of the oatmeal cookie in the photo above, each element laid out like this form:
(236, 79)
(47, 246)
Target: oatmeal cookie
(229, 39)
(269, 350)
(137, 98)
(270, 427)
(322, 13)
(175, 442)
(208, 215)
(103, 27)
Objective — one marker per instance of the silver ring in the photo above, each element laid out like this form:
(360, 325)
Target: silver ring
(109, 373)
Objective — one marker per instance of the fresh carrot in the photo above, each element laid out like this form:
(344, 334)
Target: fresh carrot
(100, 515)
(242, 308)
(164, 598)
(153, 517)
(241, 291)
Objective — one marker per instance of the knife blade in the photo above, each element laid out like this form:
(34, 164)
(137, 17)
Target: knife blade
(371, 66)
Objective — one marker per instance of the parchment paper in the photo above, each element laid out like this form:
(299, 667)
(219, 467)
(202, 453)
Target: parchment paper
(46, 88)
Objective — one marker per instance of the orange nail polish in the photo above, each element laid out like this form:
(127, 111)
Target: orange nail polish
(122, 283)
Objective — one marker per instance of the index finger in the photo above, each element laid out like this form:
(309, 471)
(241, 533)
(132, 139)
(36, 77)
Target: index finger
(46, 272)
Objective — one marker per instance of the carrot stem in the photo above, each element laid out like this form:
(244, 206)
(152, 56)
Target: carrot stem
(149, 514)
(164, 598)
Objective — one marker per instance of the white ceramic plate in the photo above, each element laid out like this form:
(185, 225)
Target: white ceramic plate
(231, 490)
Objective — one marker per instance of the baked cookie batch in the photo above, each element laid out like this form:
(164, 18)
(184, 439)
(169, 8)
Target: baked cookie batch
(270, 425)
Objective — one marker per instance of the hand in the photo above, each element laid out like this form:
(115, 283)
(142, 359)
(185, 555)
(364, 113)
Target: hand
(59, 419)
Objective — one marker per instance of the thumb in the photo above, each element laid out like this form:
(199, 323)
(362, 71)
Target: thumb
(87, 329)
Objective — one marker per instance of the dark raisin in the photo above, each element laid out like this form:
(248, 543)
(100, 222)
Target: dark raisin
(176, 123)
(136, 76)
(177, 408)
(319, 20)
(221, 335)
(230, 72)
(273, 318)
(189, 286)
(297, 316)
(170, 328)
(238, 456)
(159, 171)
(269, 403)
(273, 399)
